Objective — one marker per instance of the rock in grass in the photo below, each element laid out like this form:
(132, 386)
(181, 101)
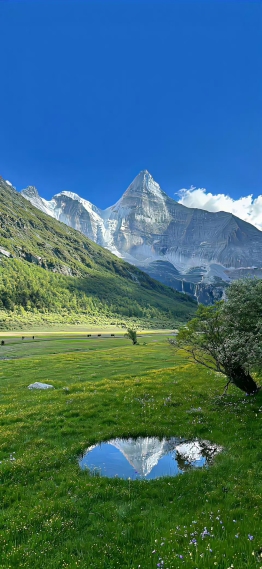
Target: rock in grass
(38, 385)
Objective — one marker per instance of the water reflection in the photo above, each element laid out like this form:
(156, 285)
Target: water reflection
(147, 457)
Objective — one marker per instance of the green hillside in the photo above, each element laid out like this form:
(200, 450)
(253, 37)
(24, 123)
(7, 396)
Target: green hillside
(51, 273)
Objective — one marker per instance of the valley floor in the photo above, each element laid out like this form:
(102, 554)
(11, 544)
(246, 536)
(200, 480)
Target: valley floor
(55, 516)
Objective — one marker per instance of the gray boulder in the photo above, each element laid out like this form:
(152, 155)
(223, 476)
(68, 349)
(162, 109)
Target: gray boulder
(38, 385)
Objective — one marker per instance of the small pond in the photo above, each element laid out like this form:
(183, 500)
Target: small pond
(146, 458)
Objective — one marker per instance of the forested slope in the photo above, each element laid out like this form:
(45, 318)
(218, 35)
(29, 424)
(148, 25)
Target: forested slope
(50, 272)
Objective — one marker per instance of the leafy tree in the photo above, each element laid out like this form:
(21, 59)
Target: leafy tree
(132, 335)
(227, 337)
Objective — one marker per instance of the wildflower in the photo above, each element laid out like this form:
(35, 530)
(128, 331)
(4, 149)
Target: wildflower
(250, 537)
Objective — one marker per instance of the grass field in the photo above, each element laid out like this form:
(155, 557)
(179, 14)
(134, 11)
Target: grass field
(55, 516)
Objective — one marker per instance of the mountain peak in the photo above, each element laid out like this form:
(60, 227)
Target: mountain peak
(144, 173)
(30, 192)
(144, 183)
(68, 194)
(76, 198)
(143, 176)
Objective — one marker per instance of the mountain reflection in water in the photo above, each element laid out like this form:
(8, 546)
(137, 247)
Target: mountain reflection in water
(147, 457)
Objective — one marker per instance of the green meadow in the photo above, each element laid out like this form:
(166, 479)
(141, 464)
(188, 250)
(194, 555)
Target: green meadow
(55, 516)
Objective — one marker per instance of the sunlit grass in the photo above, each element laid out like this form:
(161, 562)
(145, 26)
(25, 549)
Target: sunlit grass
(54, 515)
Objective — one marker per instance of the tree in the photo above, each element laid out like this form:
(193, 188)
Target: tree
(227, 337)
(132, 335)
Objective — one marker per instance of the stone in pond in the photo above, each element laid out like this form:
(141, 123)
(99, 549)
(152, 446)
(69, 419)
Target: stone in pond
(38, 385)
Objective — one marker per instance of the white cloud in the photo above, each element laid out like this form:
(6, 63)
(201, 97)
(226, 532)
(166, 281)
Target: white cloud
(247, 208)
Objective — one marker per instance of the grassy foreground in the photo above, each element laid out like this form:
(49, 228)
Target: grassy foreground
(54, 516)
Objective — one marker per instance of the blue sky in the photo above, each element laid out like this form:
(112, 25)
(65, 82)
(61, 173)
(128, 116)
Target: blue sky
(94, 91)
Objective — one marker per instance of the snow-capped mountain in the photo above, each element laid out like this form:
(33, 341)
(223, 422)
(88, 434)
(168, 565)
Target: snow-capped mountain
(190, 249)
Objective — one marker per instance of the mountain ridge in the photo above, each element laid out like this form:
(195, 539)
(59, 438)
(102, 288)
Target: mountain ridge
(146, 226)
(47, 266)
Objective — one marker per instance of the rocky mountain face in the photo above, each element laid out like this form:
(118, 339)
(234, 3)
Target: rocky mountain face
(189, 249)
